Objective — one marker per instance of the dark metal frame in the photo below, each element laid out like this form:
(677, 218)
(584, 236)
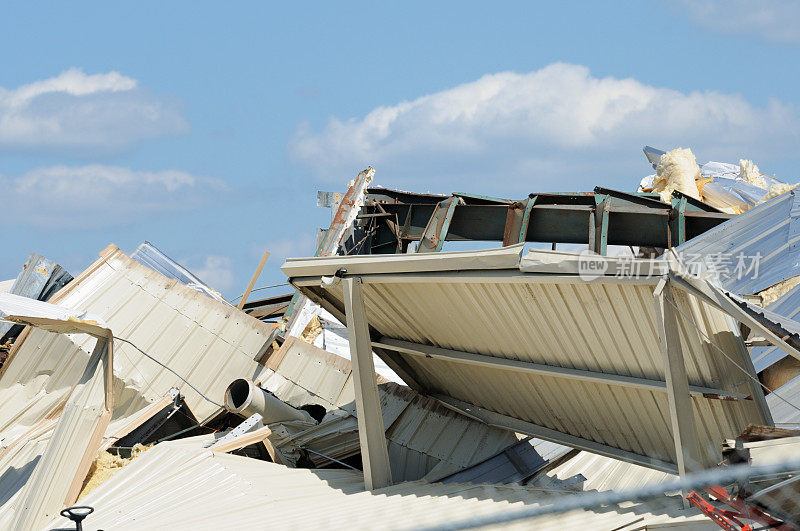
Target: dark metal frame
(390, 220)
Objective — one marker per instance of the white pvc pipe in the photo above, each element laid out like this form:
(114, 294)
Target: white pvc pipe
(245, 398)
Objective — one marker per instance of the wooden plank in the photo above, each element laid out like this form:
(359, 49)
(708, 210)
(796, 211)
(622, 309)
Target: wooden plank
(253, 280)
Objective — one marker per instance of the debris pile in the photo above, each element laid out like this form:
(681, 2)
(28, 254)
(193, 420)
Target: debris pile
(395, 383)
(728, 187)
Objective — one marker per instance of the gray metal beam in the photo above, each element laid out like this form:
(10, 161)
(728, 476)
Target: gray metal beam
(681, 409)
(371, 432)
(468, 358)
(499, 420)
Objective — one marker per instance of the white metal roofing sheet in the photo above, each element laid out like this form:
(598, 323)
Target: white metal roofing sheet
(503, 258)
(606, 326)
(207, 342)
(770, 231)
(177, 484)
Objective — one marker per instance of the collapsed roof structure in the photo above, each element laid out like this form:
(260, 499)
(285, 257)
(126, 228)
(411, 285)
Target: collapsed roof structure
(524, 385)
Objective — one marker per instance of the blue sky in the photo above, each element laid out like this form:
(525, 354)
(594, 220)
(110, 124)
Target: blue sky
(208, 128)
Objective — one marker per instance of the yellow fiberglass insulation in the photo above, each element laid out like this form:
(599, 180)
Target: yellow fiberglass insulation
(312, 330)
(105, 466)
(677, 170)
(749, 173)
(775, 190)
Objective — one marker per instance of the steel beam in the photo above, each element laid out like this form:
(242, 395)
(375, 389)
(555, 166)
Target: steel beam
(681, 409)
(499, 420)
(492, 362)
(633, 219)
(371, 433)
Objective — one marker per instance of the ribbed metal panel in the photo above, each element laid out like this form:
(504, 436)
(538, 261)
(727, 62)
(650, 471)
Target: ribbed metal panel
(783, 404)
(605, 326)
(595, 472)
(423, 437)
(207, 490)
(207, 342)
(770, 230)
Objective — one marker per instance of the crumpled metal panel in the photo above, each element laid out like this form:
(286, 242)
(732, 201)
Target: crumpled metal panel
(264, 493)
(587, 471)
(208, 343)
(514, 464)
(39, 279)
(423, 437)
(152, 257)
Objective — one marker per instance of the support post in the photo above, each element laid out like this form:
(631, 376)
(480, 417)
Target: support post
(680, 402)
(371, 432)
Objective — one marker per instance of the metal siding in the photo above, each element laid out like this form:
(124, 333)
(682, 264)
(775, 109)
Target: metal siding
(208, 343)
(601, 473)
(771, 229)
(787, 305)
(599, 327)
(782, 412)
(209, 490)
(604, 326)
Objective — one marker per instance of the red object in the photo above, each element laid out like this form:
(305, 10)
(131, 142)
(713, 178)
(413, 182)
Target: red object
(731, 520)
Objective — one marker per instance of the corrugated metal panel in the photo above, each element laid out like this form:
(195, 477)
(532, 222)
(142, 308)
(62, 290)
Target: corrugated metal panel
(589, 471)
(787, 305)
(784, 411)
(770, 230)
(429, 439)
(149, 255)
(22, 451)
(513, 465)
(208, 490)
(39, 279)
(58, 475)
(604, 326)
(208, 343)
(423, 436)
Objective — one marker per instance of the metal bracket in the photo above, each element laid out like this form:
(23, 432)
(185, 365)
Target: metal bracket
(599, 243)
(251, 423)
(677, 221)
(436, 230)
(517, 221)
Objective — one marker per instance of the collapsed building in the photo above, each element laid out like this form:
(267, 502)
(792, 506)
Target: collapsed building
(406, 385)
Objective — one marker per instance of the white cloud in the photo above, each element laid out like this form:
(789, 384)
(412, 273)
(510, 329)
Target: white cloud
(534, 130)
(770, 20)
(77, 111)
(216, 271)
(98, 195)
